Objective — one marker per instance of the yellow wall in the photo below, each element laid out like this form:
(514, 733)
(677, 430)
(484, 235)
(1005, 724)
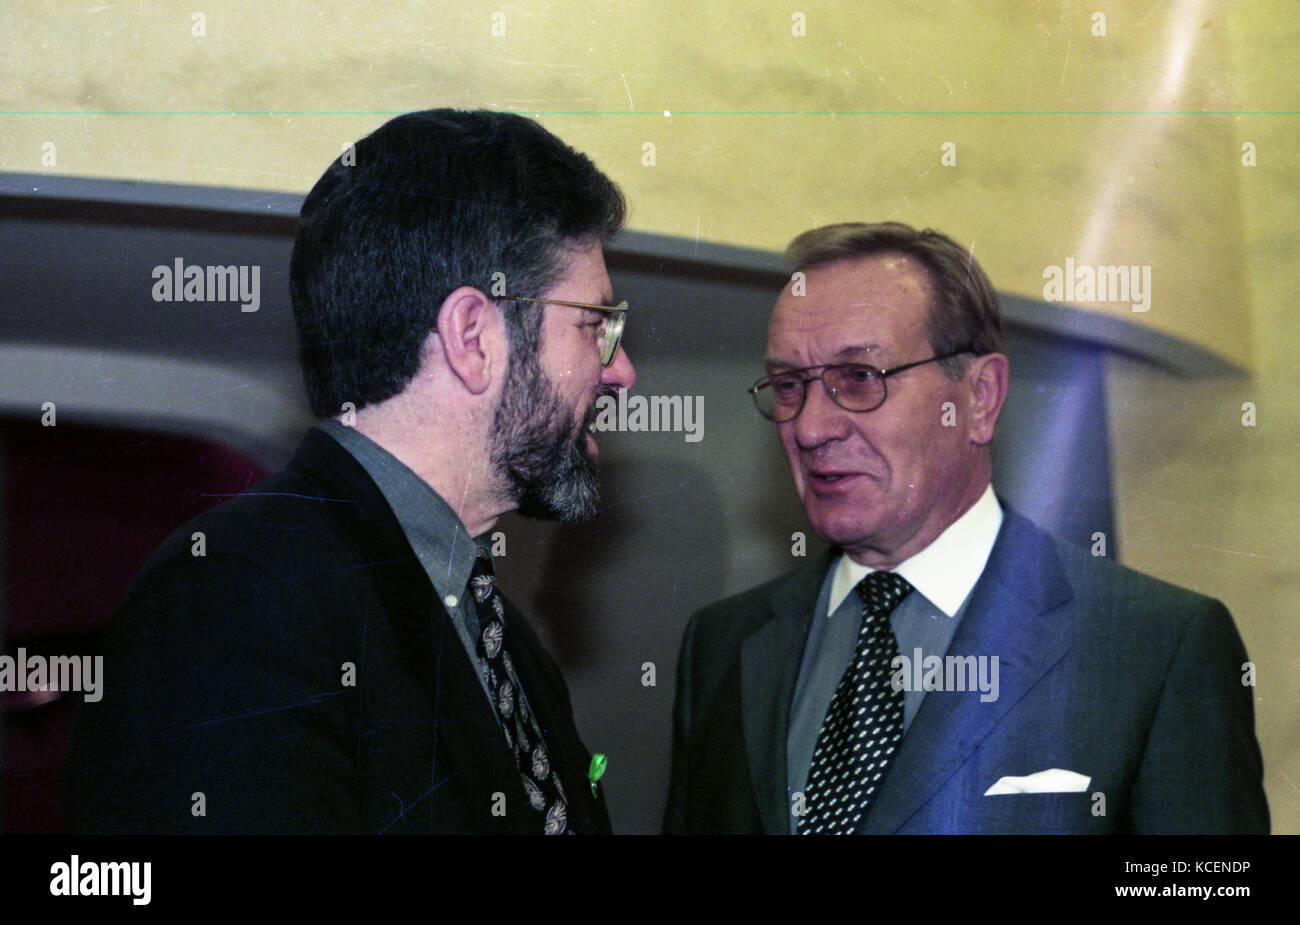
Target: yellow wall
(1122, 148)
(1067, 144)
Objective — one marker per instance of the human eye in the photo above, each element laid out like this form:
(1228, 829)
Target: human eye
(854, 381)
(785, 386)
(857, 372)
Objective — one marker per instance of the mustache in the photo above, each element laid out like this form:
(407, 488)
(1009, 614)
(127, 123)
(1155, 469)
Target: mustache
(605, 391)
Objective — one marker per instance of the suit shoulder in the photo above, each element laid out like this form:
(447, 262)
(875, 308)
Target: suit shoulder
(267, 526)
(277, 565)
(743, 612)
(1118, 599)
(1123, 583)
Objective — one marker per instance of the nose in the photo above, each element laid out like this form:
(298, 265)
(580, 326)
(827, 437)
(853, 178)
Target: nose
(820, 420)
(619, 374)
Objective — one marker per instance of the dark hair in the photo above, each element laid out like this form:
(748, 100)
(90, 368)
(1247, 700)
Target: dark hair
(964, 308)
(429, 202)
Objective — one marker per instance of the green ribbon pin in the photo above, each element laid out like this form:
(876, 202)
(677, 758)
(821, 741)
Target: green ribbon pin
(597, 769)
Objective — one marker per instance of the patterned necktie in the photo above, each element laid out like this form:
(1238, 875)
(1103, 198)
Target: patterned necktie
(864, 724)
(523, 735)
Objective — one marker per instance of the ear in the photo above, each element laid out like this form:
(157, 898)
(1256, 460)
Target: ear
(473, 338)
(988, 376)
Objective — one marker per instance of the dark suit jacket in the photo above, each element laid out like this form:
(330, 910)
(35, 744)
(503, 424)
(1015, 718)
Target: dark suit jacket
(1103, 671)
(228, 675)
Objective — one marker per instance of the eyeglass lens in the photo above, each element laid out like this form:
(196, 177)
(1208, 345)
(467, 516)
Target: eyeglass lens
(852, 387)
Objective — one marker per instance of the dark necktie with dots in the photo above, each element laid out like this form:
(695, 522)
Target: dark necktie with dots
(864, 723)
(541, 781)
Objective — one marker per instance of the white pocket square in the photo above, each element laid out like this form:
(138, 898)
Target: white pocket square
(1053, 780)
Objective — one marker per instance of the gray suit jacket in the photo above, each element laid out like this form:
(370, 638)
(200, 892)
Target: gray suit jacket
(1129, 681)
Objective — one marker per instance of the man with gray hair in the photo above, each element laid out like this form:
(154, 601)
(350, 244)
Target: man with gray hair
(947, 667)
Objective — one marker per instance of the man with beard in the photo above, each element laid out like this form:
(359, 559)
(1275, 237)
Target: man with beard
(340, 659)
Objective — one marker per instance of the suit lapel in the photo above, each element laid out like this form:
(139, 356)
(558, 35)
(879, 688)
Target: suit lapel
(1015, 614)
(466, 725)
(769, 668)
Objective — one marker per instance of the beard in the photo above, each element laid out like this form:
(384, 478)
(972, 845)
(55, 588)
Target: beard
(545, 465)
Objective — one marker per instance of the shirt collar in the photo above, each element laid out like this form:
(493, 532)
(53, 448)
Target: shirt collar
(946, 570)
(435, 533)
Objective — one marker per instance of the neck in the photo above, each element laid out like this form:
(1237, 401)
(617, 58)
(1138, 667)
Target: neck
(445, 453)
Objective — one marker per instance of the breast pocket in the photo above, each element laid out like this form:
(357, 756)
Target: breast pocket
(1032, 814)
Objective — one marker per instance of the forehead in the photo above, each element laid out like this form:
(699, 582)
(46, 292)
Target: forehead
(875, 305)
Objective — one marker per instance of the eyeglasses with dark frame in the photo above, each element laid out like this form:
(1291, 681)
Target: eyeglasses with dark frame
(857, 387)
(613, 331)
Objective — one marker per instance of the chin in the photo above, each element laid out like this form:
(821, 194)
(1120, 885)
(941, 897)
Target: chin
(847, 536)
(844, 525)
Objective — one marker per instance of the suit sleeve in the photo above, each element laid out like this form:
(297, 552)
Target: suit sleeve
(1201, 771)
(222, 711)
(678, 787)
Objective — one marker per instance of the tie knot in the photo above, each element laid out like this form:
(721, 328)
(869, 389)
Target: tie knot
(482, 579)
(881, 592)
(483, 565)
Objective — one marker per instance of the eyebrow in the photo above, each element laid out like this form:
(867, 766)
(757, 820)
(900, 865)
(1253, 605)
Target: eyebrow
(587, 313)
(844, 354)
(608, 303)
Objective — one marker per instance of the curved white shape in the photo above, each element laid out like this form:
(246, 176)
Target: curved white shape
(157, 393)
